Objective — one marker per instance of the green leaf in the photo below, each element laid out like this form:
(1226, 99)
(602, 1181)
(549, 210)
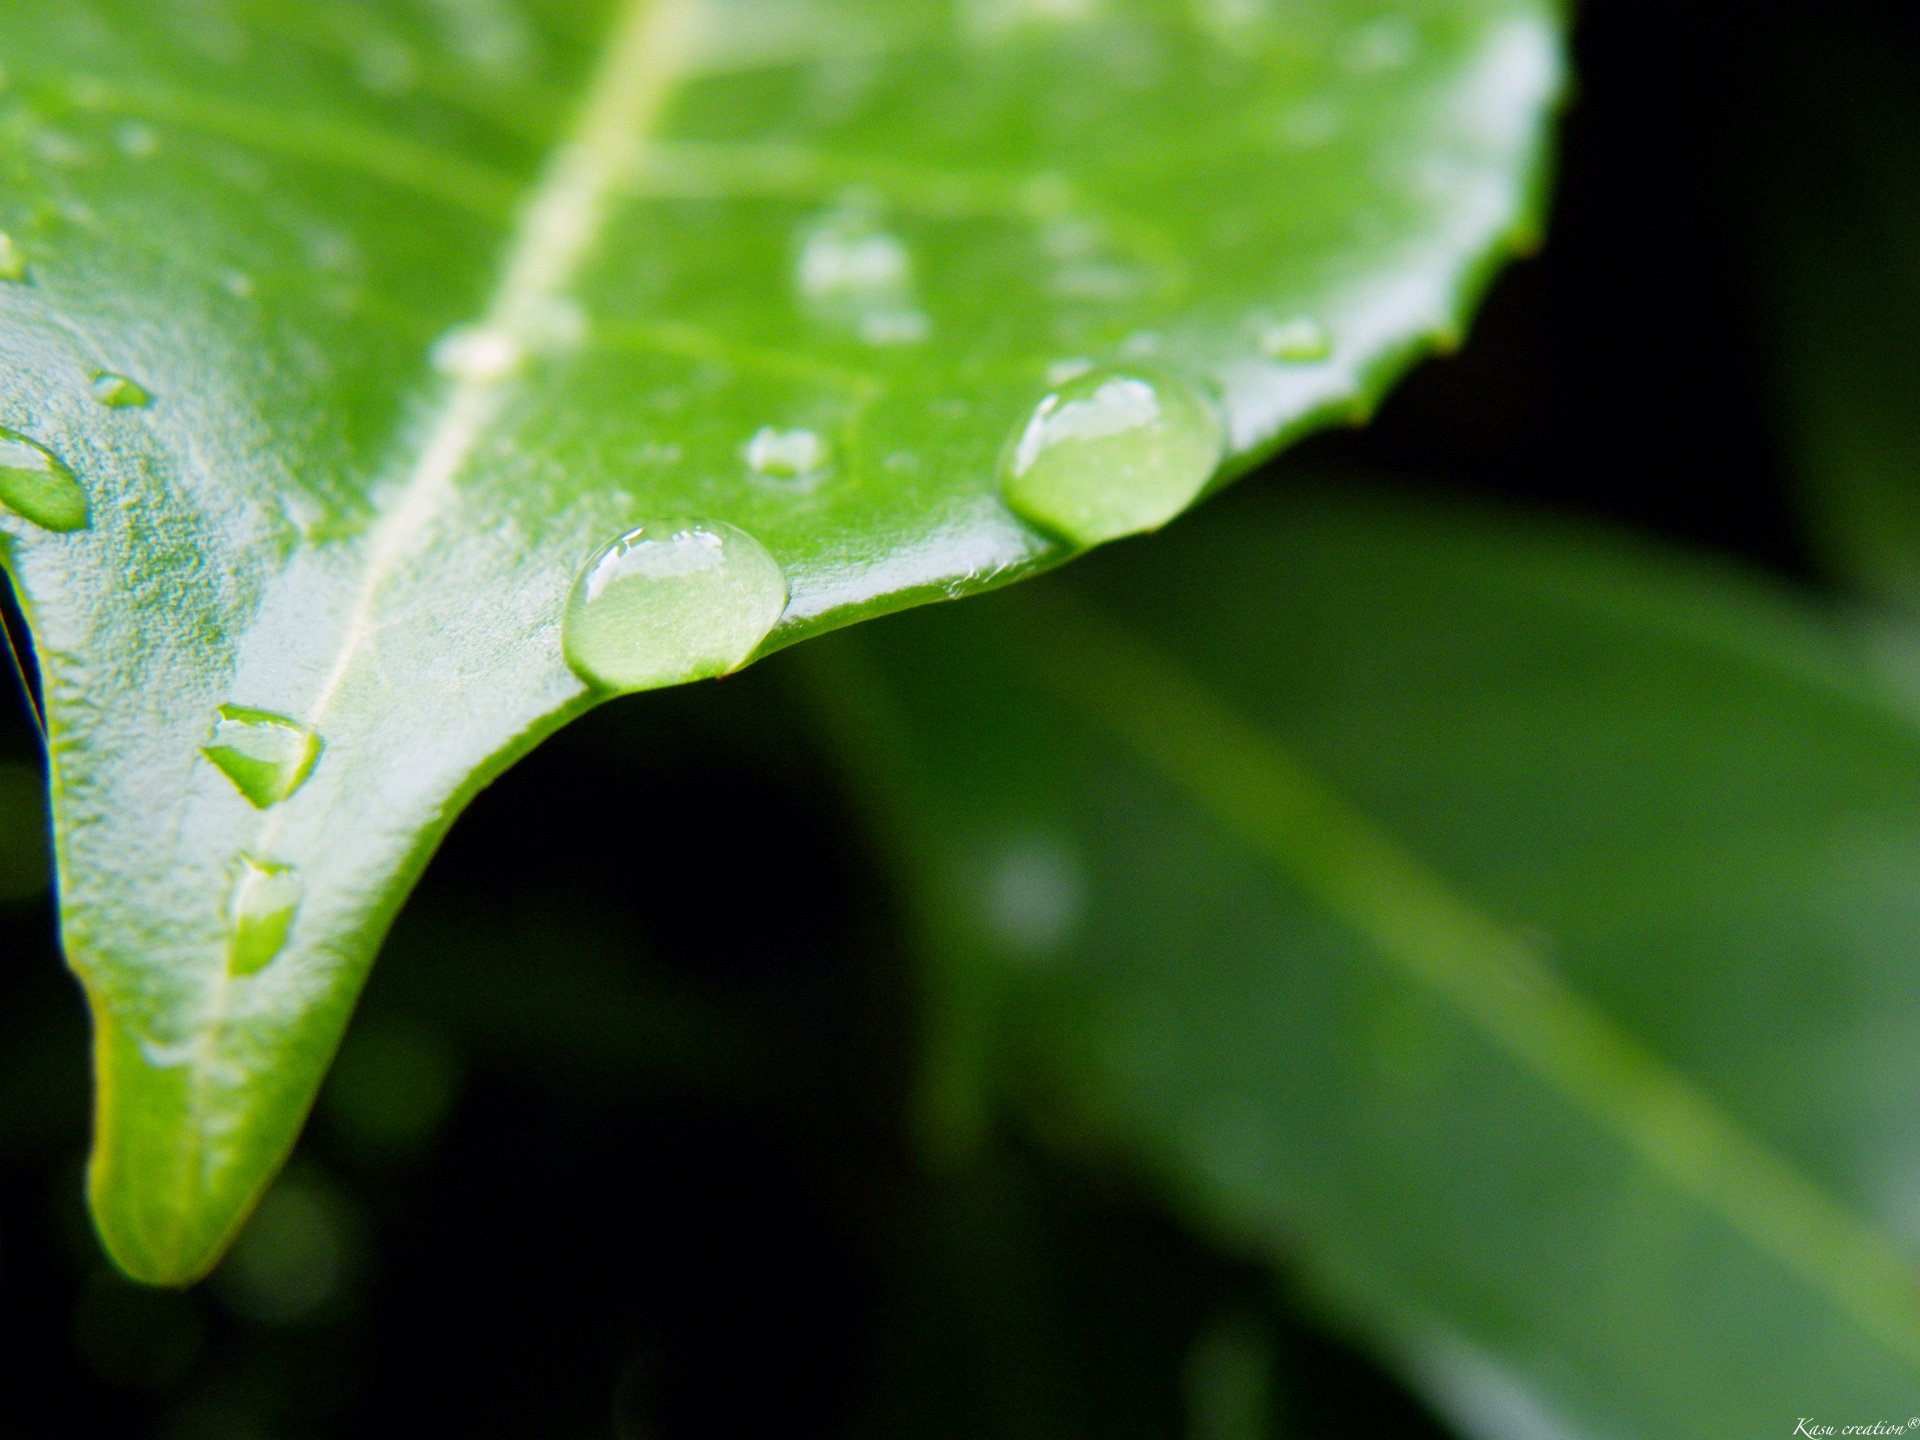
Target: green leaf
(445, 345)
(340, 340)
(1510, 931)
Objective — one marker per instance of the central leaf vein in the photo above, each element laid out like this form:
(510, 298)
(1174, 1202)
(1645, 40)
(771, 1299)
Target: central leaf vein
(559, 227)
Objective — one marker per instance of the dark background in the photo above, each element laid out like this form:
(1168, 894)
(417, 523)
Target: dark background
(576, 1176)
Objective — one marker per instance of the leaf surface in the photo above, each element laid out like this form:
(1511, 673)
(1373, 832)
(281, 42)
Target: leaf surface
(377, 372)
(1512, 934)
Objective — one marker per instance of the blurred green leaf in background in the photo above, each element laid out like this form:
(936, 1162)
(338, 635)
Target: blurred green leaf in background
(1522, 946)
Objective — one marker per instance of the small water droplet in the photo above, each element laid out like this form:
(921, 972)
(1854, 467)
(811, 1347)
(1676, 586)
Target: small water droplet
(238, 284)
(13, 261)
(848, 255)
(118, 392)
(136, 139)
(559, 324)
(669, 601)
(1384, 45)
(267, 756)
(1310, 126)
(858, 276)
(36, 484)
(330, 250)
(1033, 895)
(1111, 453)
(387, 66)
(477, 354)
(56, 147)
(788, 454)
(1301, 340)
(265, 901)
(895, 327)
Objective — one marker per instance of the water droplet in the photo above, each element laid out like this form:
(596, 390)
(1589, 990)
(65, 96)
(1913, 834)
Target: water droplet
(266, 898)
(387, 66)
(135, 139)
(36, 484)
(559, 324)
(118, 392)
(238, 284)
(672, 600)
(1033, 895)
(846, 255)
(1301, 340)
(13, 262)
(858, 276)
(1112, 453)
(1310, 126)
(788, 454)
(1388, 44)
(895, 327)
(267, 756)
(477, 354)
(56, 147)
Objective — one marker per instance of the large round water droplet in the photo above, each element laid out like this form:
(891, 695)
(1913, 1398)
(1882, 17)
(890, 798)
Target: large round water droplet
(1111, 453)
(670, 601)
(266, 899)
(35, 483)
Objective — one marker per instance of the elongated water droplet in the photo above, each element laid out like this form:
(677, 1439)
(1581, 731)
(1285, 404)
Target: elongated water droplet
(672, 600)
(1111, 453)
(267, 756)
(36, 484)
(1299, 341)
(13, 263)
(265, 902)
(118, 392)
(788, 454)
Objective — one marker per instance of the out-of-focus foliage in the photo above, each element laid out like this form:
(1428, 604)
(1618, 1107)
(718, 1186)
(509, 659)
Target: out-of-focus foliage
(1523, 945)
(388, 383)
(1833, 179)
